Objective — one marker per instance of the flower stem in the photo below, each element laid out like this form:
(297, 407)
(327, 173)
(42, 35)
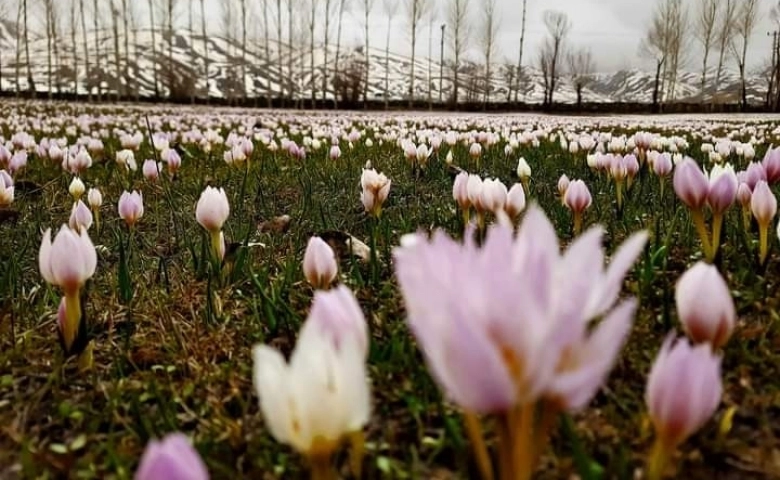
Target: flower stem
(763, 243)
(474, 431)
(357, 452)
(701, 228)
(72, 319)
(523, 448)
(717, 226)
(656, 463)
(577, 223)
(321, 469)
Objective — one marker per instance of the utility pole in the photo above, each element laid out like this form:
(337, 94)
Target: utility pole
(441, 63)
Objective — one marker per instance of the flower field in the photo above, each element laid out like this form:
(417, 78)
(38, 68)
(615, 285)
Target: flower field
(190, 293)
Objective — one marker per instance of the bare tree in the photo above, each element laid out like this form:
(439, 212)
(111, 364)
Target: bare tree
(704, 31)
(18, 61)
(416, 9)
(519, 75)
(86, 48)
(128, 20)
(73, 27)
(48, 6)
(169, 12)
(228, 26)
(266, 41)
(461, 32)
(343, 5)
(312, 23)
(3, 14)
(390, 7)
(558, 27)
(677, 20)
(490, 25)
(581, 68)
(153, 27)
(368, 6)
(279, 41)
(744, 24)
(329, 6)
(119, 90)
(30, 80)
(244, 18)
(656, 45)
(726, 31)
(205, 50)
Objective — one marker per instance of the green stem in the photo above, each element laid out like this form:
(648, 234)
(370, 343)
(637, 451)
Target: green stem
(763, 243)
(656, 463)
(717, 226)
(701, 228)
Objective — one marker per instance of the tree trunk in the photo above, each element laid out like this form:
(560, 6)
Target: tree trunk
(579, 97)
(290, 73)
(312, 26)
(154, 50)
(86, 48)
(266, 35)
(336, 67)
(280, 59)
(17, 72)
(74, 46)
(387, 62)
(657, 85)
(117, 53)
(414, 44)
(243, 50)
(96, 33)
(49, 46)
(171, 76)
(126, 32)
(30, 80)
(520, 55)
(325, 52)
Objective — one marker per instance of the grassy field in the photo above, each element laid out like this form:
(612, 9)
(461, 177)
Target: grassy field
(172, 341)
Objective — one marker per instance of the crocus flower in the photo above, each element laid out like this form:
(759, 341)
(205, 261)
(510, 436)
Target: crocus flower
(515, 201)
(150, 169)
(460, 193)
(321, 398)
(487, 355)
(475, 150)
(18, 162)
(563, 185)
(705, 306)
(493, 195)
(212, 209)
(771, 165)
(131, 207)
(76, 188)
(335, 152)
(691, 184)
(68, 262)
(375, 187)
(172, 458)
(94, 198)
(336, 314)
(126, 158)
(211, 213)
(523, 172)
(764, 206)
(754, 173)
(683, 391)
(80, 217)
(6, 189)
(577, 199)
(422, 153)
(319, 263)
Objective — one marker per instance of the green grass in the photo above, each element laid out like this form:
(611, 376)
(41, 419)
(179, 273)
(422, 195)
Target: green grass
(176, 356)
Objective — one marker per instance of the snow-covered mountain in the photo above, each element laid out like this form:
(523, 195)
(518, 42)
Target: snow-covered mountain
(281, 71)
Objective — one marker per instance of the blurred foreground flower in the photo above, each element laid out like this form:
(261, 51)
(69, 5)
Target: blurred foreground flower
(321, 398)
(684, 389)
(488, 356)
(705, 306)
(172, 458)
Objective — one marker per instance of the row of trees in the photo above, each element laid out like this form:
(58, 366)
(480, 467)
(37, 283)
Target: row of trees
(282, 32)
(722, 29)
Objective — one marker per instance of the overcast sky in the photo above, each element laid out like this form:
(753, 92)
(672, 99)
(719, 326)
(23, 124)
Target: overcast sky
(612, 29)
